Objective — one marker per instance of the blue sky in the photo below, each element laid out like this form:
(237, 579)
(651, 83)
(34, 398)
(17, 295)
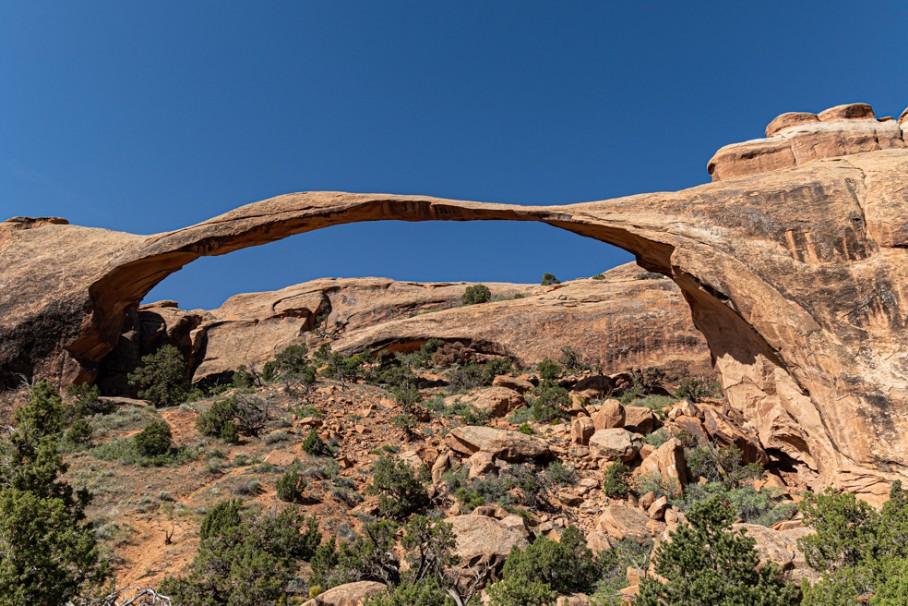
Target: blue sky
(149, 116)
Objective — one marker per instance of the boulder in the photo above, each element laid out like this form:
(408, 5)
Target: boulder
(582, 430)
(615, 445)
(494, 401)
(349, 594)
(484, 540)
(516, 383)
(780, 548)
(668, 462)
(621, 521)
(507, 445)
(610, 415)
(640, 419)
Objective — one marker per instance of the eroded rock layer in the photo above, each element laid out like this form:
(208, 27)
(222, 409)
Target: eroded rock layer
(795, 271)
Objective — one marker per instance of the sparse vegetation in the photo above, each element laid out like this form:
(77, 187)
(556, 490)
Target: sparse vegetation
(399, 490)
(549, 279)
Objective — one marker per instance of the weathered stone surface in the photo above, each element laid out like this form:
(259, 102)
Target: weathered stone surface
(640, 419)
(582, 430)
(507, 445)
(668, 462)
(495, 401)
(610, 415)
(781, 548)
(796, 277)
(517, 384)
(349, 594)
(615, 444)
(484, 540)
(621, 522)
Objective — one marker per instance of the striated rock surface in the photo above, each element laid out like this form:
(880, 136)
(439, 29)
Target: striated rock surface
(794, 263)
(505, 444)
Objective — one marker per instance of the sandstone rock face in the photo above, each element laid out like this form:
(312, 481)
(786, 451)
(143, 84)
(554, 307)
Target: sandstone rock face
(495, 401)
(484, 540)
(615, 444)
(349, 594)
(610, 415)
(781, 548)
(794, 263)
(582, 430)
(668, 462)
(511, 446)
(621, 522)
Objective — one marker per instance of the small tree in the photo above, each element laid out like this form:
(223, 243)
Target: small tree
(400, 491)
(314, 445)
(549, 279)
(219, 421)
(566, 566)
(475, 294)
(155, 440)
(707, 563)
(162, 377)
(291, 487)
(616, 482)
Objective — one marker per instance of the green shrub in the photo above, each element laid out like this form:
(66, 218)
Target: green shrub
(549, 279)
(549, 403)
(162, 377)
(314, 445)
(221, 519)
(291, 363)
(246, 562)
(598, 277)
(654, 482)
(85, 401)
(343, 368)
(219, 421)
(570, 359)
(616, 481)
(155, 440)
(705, 562)
(559, 473)
(291, 487)
(465, 376)
(48, 554)
(566, 566)
(399, 490)
(697, 389)
(721, 464)
(494, 368)
(525, 429)
(243, 377)
(477, 293)
(859, 551)
(517, 593)
(79, 434)
(548, 370)
(763, 507)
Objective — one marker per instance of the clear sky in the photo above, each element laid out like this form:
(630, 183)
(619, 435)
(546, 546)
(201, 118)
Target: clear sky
(149, 116)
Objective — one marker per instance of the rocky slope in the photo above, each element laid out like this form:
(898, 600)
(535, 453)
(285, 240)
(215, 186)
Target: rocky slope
(793, 263)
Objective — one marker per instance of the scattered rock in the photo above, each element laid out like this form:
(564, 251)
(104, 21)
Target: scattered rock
(615, 445)
(511, 446)
(621, 522)
(582, 430)
(349, 594)
(610, 415)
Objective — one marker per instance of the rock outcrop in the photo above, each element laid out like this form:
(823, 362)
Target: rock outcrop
(794, 264)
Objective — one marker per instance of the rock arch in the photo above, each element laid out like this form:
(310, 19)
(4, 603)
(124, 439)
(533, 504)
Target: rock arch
(795, 271)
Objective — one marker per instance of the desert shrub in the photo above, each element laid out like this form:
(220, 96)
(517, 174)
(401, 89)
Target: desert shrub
(654, 482)
(613, 565)
(219, 421)
(525, 428)
(424, 357)
(548, 370)
(243, 377)
(465, 376)
(48, 554)
(721, 464)
(644, 381)
(252, 414)
(222, 518)
(518, 593)
(549, 279)
(246, 562)
(494, 368)
(697, 388)
(85, 401)
(79, 434)
(859, 551)
(657, 438)
(516, 485)
(570, 359)
(314, 445)
(705, 562)
(291, 486)
(598, 277)
(566, 566)
(400, 492)
(763, 507)
(344, 368)
(477, 293)
(559, 473)
(162, 377)
(616, 481)
(155, 440)
(549, 402)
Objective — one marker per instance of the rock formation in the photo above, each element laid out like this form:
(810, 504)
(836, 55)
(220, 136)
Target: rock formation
(793, 263)
(626, 319)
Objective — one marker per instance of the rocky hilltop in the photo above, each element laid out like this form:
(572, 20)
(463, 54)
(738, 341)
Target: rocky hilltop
(793, 262)
(624, 318)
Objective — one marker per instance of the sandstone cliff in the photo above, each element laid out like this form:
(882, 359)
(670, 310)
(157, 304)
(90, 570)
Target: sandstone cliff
(793, 262)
